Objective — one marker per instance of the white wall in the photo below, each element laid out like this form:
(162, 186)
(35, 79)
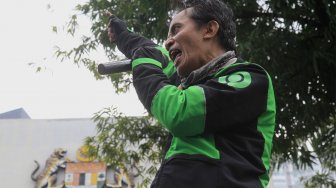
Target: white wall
(24, 140)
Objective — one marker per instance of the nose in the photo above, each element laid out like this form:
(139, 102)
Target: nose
(169, 42)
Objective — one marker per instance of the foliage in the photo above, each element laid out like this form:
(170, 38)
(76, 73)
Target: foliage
(295, 42)
(293, 39)
(325, 148)
(131, 141)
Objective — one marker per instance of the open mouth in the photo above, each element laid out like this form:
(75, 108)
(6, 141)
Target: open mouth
(174, 54)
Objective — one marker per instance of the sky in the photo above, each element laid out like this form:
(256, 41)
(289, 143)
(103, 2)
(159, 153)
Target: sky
(60, 90)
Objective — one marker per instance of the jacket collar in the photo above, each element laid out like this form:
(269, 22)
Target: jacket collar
(208, 69)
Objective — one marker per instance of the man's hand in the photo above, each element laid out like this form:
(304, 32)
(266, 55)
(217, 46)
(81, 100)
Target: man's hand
(109, 28)
(115, 27)
(127, 42)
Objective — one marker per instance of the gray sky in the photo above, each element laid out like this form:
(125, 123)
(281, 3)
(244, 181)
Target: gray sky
(62, 90)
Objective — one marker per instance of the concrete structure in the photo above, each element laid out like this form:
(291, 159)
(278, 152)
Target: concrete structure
(24, 140)
(19, 113)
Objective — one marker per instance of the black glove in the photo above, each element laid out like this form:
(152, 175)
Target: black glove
(117, 25)
(127, 41)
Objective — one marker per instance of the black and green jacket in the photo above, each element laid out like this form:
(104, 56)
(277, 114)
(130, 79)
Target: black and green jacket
(221, 125)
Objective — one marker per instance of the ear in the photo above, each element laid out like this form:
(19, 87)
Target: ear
(212, 28)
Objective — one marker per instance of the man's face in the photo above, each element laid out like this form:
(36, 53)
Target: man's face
(185, 43)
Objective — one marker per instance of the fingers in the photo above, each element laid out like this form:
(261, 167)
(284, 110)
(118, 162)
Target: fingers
(115, 26)
(108, 13)
(112, 37)
(110, 33)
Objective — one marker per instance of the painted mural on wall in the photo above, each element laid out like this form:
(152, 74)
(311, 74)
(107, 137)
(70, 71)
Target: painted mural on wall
(48, 176)
(83, 173)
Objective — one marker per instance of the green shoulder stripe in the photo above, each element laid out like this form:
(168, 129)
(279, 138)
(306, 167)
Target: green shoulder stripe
(266, 125)
(163, 50)
(182, 112)
(170, 69)
(139, 61)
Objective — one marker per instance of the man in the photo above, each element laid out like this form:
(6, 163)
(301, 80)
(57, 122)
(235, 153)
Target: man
(220, 110)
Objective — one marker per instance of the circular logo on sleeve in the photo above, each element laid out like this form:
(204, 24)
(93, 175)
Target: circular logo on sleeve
(237, 80)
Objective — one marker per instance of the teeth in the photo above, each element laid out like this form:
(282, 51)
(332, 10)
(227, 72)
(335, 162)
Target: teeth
(174, 53)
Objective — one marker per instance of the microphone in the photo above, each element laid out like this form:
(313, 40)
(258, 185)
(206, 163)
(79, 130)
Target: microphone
(115, 67)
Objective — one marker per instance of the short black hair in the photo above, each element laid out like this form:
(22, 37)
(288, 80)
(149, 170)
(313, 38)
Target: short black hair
(204, 11)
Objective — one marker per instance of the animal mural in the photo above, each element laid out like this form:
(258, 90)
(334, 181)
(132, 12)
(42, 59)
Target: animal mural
(47, 178)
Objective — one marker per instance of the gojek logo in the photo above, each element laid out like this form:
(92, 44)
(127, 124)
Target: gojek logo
(239, 80)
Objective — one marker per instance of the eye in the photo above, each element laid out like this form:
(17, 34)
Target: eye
(175, 29)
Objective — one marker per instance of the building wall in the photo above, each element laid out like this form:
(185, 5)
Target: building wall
(24, 140)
